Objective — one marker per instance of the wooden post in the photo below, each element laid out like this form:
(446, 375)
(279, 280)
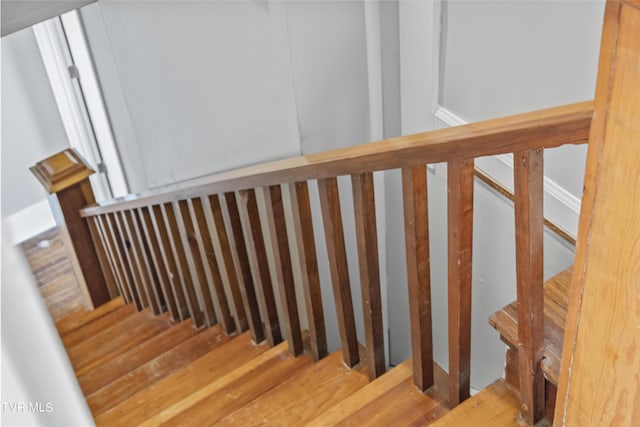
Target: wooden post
(460, 239)
(308, 261)
(416, 226)
(284, 272)
(528, 192)
(65, 176)
(367, 236)
(337, 254)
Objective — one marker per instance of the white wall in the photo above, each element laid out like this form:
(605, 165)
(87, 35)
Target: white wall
(35, 367)
(31, 130)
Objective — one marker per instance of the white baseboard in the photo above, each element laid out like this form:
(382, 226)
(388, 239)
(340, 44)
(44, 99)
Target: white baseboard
(28, 222)
(560, 206)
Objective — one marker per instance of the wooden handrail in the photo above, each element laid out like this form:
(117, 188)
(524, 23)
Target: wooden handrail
(548, 128)
(206, 258)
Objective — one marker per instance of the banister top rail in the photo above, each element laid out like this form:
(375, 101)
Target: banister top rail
(548, 128)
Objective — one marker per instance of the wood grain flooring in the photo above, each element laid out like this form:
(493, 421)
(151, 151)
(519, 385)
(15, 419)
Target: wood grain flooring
(52, 270)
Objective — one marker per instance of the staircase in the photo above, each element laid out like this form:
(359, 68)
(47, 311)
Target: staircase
(138, 369)
(135, 368)
(197, 332)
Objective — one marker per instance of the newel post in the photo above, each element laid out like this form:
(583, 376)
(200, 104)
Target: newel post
(65, 176)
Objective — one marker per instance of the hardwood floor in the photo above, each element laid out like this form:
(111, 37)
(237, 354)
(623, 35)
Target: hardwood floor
(52, 270)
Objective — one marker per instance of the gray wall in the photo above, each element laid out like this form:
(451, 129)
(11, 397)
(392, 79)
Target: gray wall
(496, 58)
(329, 63)
(501, 58)
(233, 84)
(207, 84)
(198, 87)
(31, 126)
(20, 14)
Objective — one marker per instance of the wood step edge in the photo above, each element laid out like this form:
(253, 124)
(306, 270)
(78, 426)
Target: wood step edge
(363, 396)
(93, 352)
(81, 316)
(154, 370)
(121, 365)
(152, 399)
(494, 406)
(377, 402)
(240, 392)
(96, 325)
(202, 393)
(310, 392)
(555, 308)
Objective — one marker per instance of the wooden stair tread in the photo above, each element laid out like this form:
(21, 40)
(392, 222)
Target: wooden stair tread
(494, 406)
(81, 316)
(119, 366)
(116, 340)
(234, 390)
(183, 382)
(556, 297)
(156, 369)
(391, 399)
(95, 326)
(307, 394)
(403, 405)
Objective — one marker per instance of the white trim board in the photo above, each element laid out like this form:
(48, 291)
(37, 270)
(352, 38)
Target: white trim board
(560, 206)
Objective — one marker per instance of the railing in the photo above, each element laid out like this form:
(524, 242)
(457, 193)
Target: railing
(200, 252)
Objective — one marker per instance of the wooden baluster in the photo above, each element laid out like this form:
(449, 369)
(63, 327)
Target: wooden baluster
(127, 246)
(150, 276)
(460, 239)
(529, 214)
(284, 272)
(162, 276)
(113, 226)
(367, 236)
(175, 242)
(137, 256)
(209, 259)
(303, 225)
(257, 256)
(168, 259)
(192, 249)
(337, 254)
(215, 224)
(236, 260)
(114, 257)
(100, 245)
(416, 229)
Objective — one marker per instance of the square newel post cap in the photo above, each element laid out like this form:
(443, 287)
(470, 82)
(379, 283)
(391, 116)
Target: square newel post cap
(62, 170)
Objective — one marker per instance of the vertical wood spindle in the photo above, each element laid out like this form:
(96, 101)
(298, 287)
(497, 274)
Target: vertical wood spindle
(367, 237)
(416, 228)
(529, 216)
(460, 239)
